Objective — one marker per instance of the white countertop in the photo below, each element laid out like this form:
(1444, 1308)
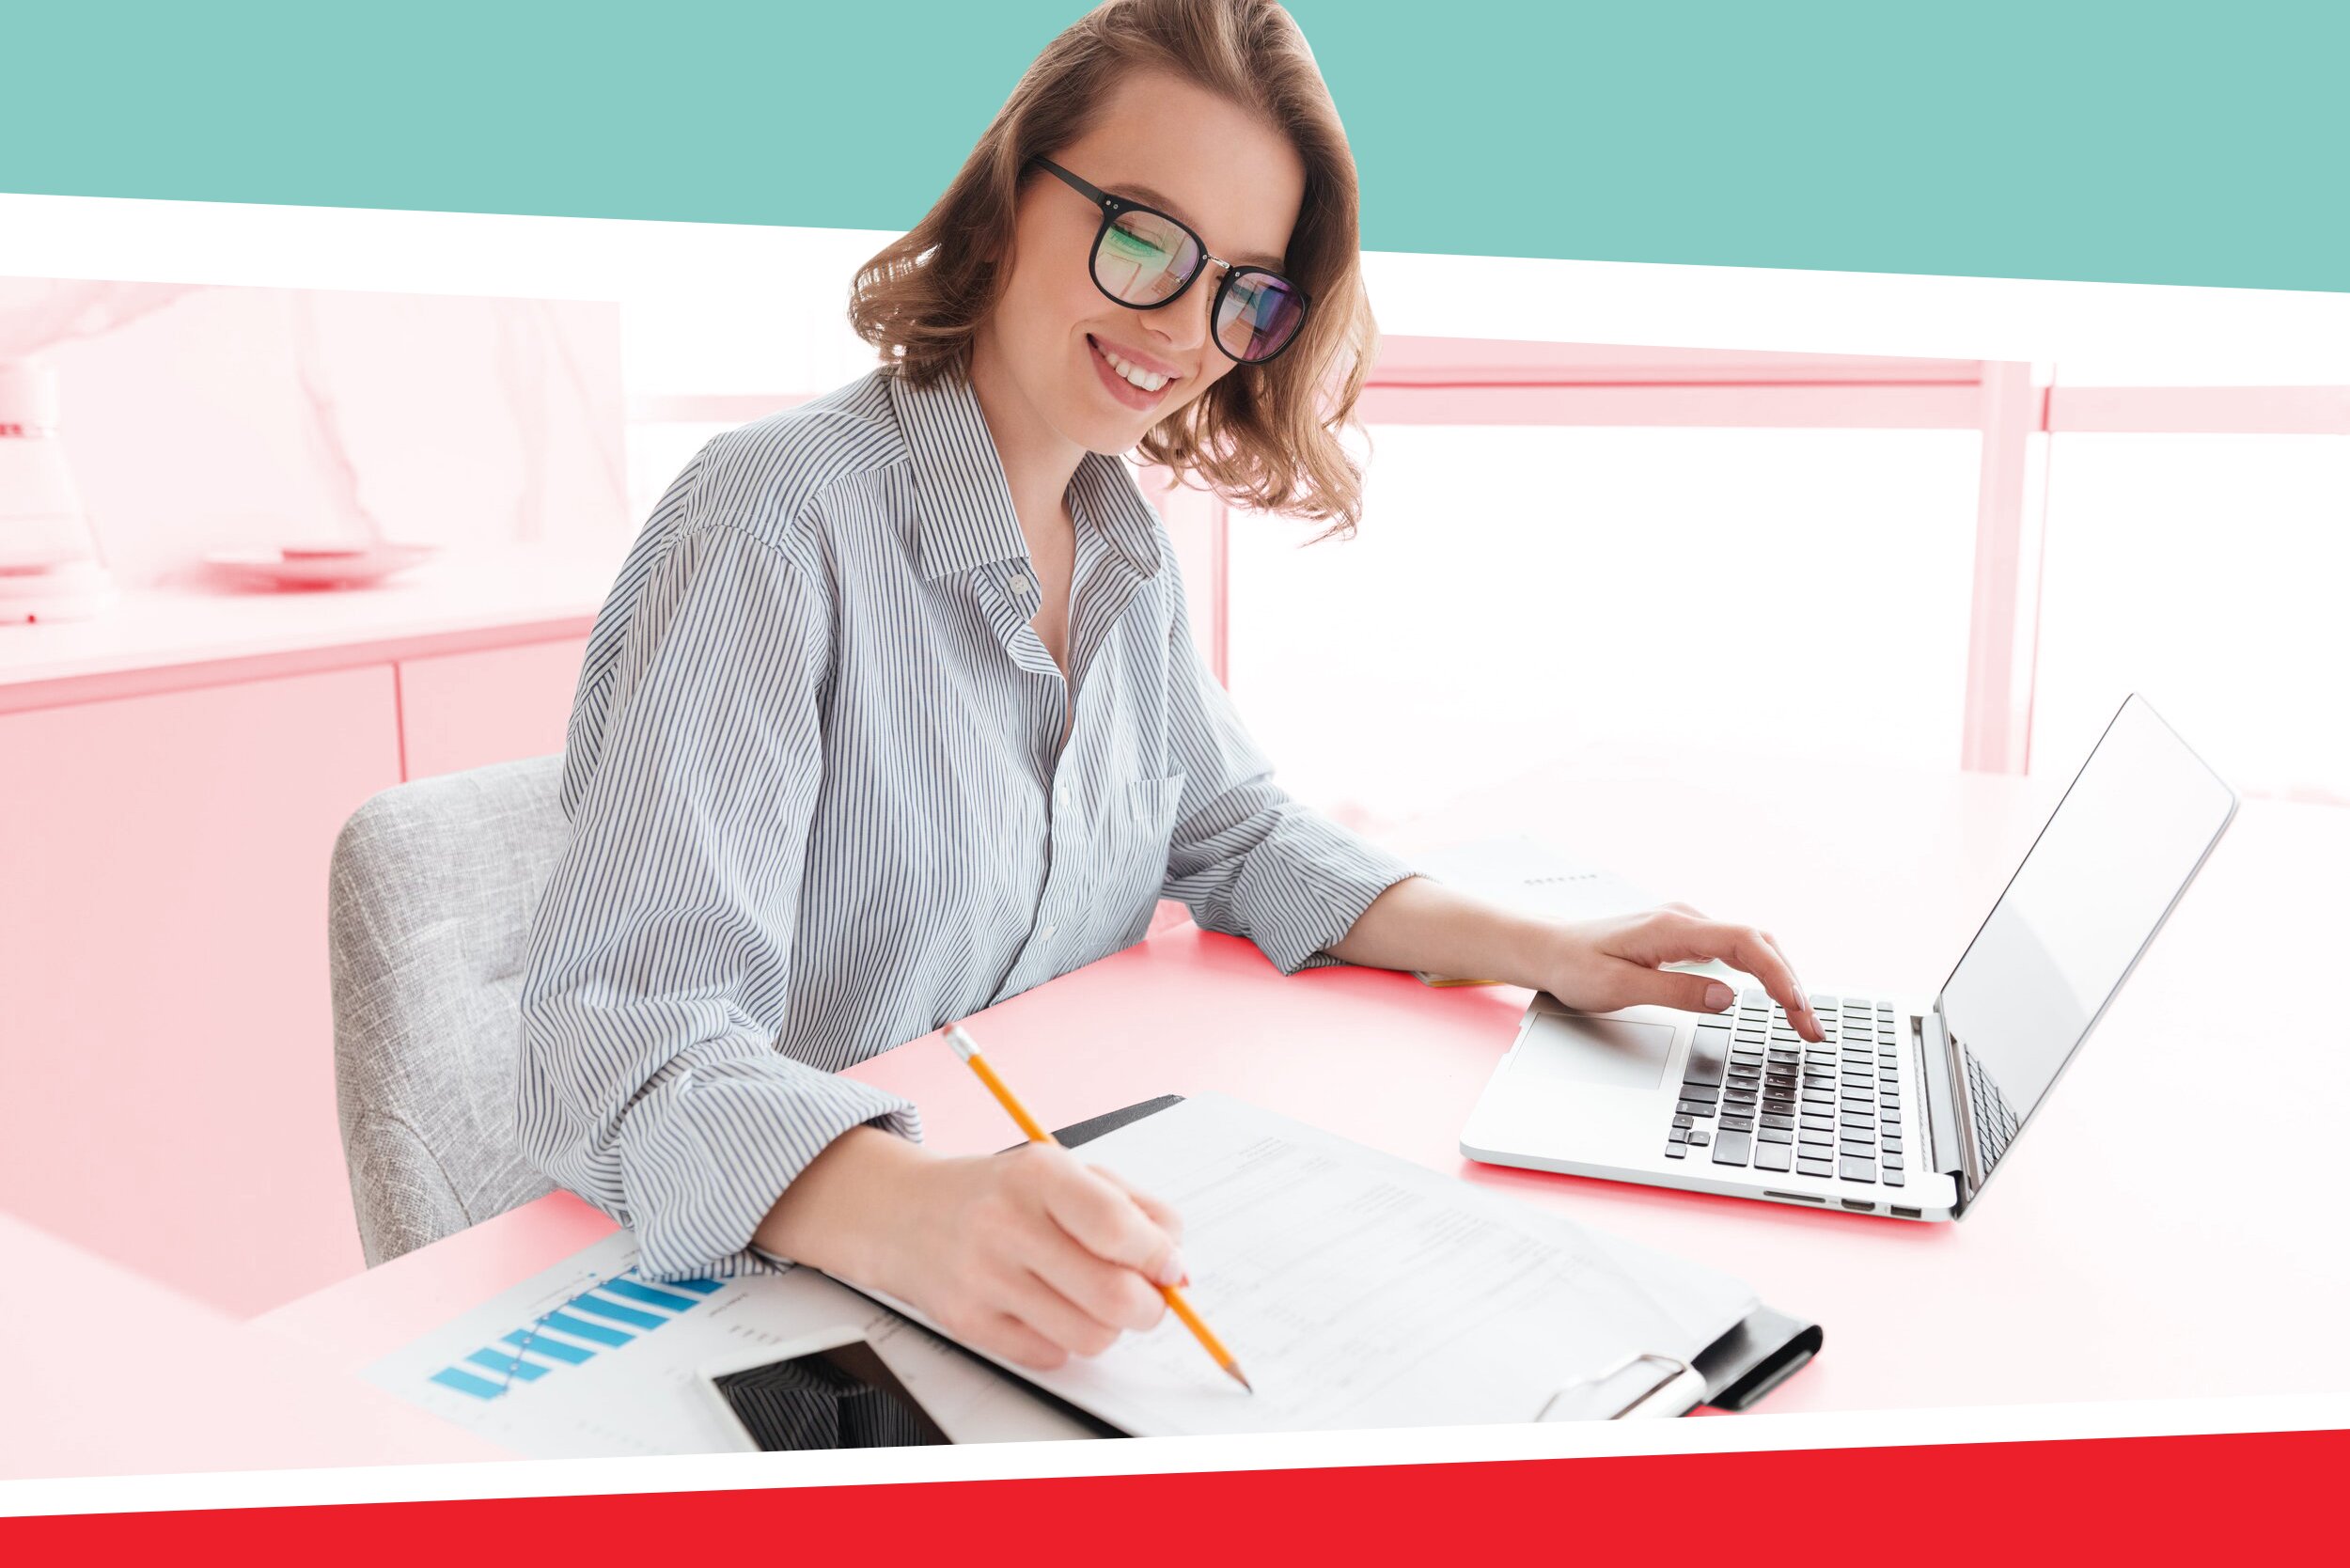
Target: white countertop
(464, 597)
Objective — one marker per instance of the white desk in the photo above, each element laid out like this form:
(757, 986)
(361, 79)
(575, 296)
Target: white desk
(2170, 1215)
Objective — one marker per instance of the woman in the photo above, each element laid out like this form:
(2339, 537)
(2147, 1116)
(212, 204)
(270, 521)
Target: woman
(894, 710)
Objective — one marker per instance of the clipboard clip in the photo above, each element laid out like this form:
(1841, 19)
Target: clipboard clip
(1636, 1386)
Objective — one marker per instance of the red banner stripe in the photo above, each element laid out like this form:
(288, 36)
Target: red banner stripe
(2244, 1497)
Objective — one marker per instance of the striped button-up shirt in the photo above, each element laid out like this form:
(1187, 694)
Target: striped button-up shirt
(820, 804)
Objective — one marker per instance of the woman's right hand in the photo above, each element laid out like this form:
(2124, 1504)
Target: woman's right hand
(1032, 1254)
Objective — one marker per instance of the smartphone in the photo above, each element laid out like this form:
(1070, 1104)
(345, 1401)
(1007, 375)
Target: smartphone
(832, 1391)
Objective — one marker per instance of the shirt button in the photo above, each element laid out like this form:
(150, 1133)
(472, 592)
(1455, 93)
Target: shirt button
(1015, 581)
(1047, 932)
(1061, 796)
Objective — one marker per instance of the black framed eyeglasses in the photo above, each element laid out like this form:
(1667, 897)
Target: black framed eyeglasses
(1145, 259)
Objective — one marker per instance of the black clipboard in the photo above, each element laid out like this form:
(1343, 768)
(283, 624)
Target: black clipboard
(1745, 1364)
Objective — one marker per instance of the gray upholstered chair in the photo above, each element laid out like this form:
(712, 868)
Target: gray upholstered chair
(429, 893)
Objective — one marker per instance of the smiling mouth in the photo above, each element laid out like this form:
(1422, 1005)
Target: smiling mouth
(1106, 351)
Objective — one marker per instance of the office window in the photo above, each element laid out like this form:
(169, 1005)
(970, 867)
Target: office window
(1523, 592)
(2206, 572)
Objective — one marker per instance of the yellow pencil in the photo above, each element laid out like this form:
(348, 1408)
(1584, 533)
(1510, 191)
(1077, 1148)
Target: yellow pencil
(968, 1050)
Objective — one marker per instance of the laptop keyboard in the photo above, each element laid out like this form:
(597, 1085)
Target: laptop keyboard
(1754, 1093)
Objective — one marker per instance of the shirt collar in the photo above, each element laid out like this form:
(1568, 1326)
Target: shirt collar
(968, 518)
(1104, 493)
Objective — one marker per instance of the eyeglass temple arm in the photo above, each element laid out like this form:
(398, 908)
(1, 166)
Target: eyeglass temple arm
(1091, 192)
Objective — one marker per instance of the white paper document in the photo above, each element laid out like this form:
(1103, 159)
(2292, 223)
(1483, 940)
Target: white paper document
(1359, 1289)
(587, 1360)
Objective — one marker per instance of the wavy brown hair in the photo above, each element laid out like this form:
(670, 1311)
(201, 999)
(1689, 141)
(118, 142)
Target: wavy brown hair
(1264, 436)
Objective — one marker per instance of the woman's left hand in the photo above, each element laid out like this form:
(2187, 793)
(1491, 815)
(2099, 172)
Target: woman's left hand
(1600, 966)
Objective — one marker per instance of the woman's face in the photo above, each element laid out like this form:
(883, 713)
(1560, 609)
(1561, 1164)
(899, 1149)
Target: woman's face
(1170, 145)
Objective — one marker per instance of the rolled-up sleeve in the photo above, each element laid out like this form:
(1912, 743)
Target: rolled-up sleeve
(656, 977)
(1247, 858)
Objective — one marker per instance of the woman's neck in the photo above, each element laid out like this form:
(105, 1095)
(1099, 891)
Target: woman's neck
(1039, 462)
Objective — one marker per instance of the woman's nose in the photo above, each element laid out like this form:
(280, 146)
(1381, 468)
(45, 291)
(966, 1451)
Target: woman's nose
(1183, 325)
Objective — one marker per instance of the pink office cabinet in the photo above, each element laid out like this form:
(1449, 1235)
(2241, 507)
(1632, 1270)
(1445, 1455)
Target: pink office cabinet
(459, 711)
(166, 1071)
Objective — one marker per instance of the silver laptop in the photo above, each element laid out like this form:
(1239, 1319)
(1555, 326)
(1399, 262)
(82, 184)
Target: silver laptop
(1907, 1107)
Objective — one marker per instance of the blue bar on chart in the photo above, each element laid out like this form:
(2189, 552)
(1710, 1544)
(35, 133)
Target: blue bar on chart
(629, 1290)
(541, 1344)
(581, 1328)
(466, 1383)
(508, 1366)
(596, 1305)
(612, 1314)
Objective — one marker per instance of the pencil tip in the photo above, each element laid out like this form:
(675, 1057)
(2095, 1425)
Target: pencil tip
(1234, 1370)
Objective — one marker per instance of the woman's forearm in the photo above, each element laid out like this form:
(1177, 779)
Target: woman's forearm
(1424, 925)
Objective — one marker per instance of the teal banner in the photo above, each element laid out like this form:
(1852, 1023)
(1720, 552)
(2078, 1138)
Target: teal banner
(2148, 142)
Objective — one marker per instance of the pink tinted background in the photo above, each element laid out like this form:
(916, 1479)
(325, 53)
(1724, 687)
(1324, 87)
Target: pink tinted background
(199, 419)
(173, 774)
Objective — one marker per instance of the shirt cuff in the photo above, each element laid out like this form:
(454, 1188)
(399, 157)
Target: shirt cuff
(701, 1164)
(1306, 886)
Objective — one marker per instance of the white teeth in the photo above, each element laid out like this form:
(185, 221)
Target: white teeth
(1134, 373)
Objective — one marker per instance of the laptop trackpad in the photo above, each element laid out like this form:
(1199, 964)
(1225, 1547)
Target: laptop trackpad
(1613, 1051)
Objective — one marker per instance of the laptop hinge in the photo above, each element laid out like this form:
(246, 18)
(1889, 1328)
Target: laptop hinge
(1940, 1070)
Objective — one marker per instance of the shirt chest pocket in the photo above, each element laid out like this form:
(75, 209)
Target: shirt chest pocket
(1149, 821)
(1151, 805)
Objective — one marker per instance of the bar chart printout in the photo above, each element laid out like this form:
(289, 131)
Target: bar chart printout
(611, 1315)
(588, 1358)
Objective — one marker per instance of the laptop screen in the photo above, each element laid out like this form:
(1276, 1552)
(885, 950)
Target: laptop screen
(2120, 849)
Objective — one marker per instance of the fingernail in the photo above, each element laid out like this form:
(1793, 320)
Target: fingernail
(1170, 1270)
(1717, 996)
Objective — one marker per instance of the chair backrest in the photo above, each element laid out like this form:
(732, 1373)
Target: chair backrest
(429, 894)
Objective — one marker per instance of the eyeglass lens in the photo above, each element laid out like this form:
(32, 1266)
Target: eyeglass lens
(1143, 259)
(1261, 314)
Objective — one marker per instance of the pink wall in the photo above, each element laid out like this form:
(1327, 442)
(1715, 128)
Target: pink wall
(200, 417)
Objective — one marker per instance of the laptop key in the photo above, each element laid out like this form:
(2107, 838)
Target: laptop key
(1770, 1120)
(1694, 1107)
(1676, 1150)
(1700, 1135)
(1852, 1170)
(1708, 1046)
(1773, 1156)
(1816, 1168)
(1895, 1179)
(1699, 1091)
(1774, 1135)
(1684, 1121)
(1730, 1149)
(1732, 1123)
